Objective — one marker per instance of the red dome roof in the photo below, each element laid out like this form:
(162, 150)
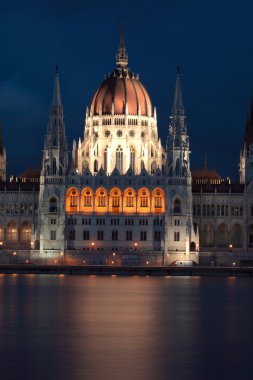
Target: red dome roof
(121, 88)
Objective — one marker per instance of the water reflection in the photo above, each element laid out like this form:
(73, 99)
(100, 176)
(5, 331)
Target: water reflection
(77, 327)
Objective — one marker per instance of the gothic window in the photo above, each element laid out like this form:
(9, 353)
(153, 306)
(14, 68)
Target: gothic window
(177, 168)
(53, 205)
(73, 199)
(54, 165)
(86, 235)
(177, 207)
(129, 235)
(132, 159)
(12, 232)
(114, 235)
(176, 236)
(158, 199)
(119, 159)
(130, 199)
(119, 133)
(157, 235)
(143, 235)
(95, 166)
(52, 235)
(87, 199)
(144, 199)
(101, 199)
(115, 199)
(25, 233)
(100, 235)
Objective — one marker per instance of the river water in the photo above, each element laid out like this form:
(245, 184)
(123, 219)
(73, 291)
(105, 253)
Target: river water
(91, 327)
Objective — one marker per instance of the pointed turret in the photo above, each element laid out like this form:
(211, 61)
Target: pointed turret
(122, 56)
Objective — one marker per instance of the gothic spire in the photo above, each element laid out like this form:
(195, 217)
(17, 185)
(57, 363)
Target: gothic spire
(122, 56)
(56, 100)
(178, 107)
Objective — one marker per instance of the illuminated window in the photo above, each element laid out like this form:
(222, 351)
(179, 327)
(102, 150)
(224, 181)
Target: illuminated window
(130, 199)
(12, 232)
(73, 199)
(101, 199)
(87, 199)
(158, 200)
(144, 199)
(115, 199)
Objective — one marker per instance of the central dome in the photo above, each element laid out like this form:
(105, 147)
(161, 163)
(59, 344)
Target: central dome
(121, 93)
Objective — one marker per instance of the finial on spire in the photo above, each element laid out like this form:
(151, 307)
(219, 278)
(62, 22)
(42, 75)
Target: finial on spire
(121, 56)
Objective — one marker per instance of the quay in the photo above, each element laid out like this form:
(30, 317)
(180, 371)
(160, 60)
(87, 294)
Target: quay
(106, 270)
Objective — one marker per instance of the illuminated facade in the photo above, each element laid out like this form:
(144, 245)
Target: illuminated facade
(125, 199)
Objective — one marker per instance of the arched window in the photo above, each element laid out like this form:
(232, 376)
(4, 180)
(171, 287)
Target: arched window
(54, 165)
(177, 169)
(130, 199)
(95, 166)
(115, 199)
(53, 205)
(12, 232)
(105, 160)
(132, 159)
(26, 230)
(119, 159)
(101, 199)
(144, 199)
(177, 207)
(73, 199)
(158, 199)
(114, 235)
(87, 199)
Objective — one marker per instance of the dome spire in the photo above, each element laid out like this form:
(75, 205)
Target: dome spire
(122, 56)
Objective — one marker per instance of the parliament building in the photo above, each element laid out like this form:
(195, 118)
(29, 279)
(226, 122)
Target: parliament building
(124, 199)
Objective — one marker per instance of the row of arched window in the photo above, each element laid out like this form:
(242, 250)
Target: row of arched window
(115, 200)
(12, 233)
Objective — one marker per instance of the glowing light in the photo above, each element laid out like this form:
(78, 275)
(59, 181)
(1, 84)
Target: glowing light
(1, 243)
(27, 261)
(112, 262)
(92, 244)
(14, 253)
(234, 264)
(114, 254)
(147, 262)
(84, 261)
(61, 253)
(135, 244)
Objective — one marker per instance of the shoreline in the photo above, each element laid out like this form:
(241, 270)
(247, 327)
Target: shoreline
(126, 270)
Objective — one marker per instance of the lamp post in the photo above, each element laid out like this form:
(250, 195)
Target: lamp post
(92, 245)
(62, 257)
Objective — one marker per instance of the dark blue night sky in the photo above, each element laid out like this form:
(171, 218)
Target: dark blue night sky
(211, 40)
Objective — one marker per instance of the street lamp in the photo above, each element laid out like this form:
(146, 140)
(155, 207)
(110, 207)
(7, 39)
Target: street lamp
(135, 246)
(230, 247)
(92, 246)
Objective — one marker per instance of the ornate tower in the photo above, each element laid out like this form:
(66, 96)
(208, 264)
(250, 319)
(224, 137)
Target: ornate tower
(180, 237)
(246, 156)
(2, 160)
(51, 219)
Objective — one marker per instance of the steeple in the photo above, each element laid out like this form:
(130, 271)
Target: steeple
(178, 119)
(56, 105)
(178, 107)
(122, 56)
(55, 158)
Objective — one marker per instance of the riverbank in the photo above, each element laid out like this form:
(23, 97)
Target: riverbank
(127, 270)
